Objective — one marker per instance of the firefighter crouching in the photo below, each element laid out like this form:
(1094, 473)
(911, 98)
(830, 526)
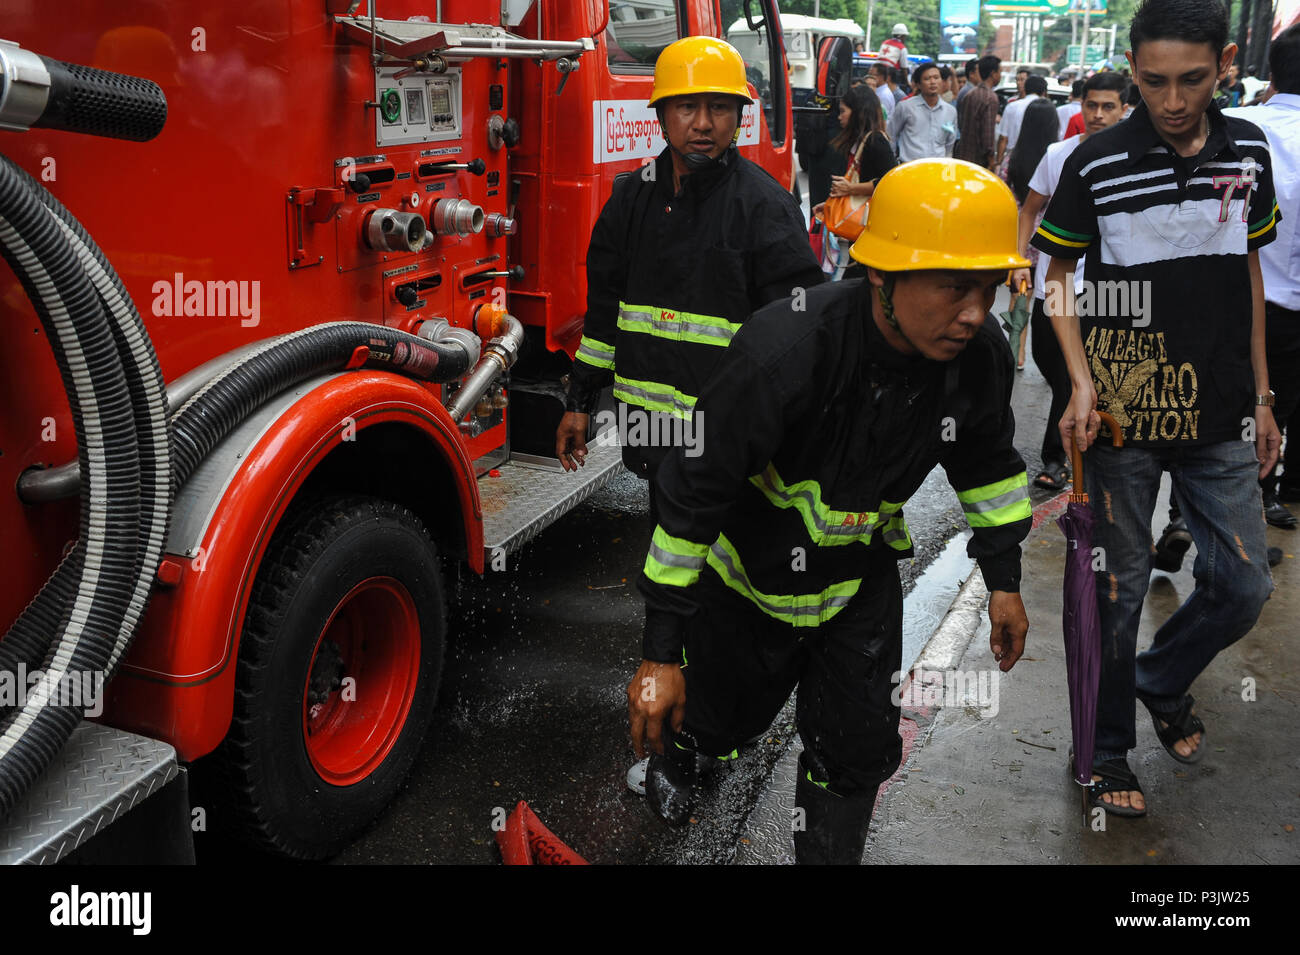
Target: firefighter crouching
(774, 562)
(683, 252)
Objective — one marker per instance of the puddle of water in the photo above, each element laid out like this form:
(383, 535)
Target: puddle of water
(932, 595)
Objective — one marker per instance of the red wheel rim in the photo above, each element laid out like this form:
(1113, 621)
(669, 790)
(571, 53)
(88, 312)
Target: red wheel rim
(361, 681)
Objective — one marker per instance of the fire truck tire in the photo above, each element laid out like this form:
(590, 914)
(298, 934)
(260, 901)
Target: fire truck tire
(337, 677)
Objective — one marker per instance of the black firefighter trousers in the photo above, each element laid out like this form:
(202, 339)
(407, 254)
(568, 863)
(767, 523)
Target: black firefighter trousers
(742, 664)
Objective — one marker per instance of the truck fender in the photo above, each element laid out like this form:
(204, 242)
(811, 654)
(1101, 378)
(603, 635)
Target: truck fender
(177, 682)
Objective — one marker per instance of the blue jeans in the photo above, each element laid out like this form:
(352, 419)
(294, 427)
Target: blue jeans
(1217, 486)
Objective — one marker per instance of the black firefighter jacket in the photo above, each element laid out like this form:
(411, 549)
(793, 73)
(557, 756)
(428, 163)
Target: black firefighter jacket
(671, 278)
(810, 444)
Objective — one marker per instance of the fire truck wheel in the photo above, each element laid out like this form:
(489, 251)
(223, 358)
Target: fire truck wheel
(338, 673)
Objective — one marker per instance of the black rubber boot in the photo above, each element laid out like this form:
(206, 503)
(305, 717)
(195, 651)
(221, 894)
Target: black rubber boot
(834, 828)
(670, 780)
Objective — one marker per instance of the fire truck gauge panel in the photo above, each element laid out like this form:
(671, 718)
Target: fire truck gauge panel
(417, 108)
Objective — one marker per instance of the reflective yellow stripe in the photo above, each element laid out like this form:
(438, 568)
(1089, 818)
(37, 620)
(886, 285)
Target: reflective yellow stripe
(654, 396)
(676, 325)
(1002, 502)
(595, 352)
(674, 561)
(826, 526)
(896, 534)
(798, 610)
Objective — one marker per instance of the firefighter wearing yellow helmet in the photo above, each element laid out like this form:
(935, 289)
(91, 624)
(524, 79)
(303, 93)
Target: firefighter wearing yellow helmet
(774, 562)
(684, 251)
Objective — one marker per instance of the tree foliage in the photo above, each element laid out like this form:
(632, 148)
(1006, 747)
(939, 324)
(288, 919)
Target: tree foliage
(922, 19)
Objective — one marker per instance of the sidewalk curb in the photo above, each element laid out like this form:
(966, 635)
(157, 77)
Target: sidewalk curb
(948, 642)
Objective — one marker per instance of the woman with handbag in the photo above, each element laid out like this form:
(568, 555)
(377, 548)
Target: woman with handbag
(870, 155)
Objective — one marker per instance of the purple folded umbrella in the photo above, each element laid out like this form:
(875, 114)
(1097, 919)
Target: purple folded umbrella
(1082, 632)
(1080, 623)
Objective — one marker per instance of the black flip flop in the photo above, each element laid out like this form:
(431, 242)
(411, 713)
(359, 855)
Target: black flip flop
(1115, 777)
(1181, 724)
(1053, 477)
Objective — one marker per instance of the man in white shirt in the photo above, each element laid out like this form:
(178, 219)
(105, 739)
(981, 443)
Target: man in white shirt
(1279, 261)
(1070, 109)
(1013, 116)
(923, 125)
(1102, 106)
(878, 79)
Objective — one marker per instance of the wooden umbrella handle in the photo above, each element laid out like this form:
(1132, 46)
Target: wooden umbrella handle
(1078, 495)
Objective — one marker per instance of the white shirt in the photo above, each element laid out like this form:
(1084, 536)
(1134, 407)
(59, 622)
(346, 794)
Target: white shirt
(894, 52)
(1044, 181)
(920, 131)
(1252, 85)
(886, 98)
(1066, 112)
(1012, 117)
(1279, 118)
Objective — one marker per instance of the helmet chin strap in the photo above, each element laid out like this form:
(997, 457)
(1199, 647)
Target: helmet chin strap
(698, 162)
(695, 162)
(886, 295)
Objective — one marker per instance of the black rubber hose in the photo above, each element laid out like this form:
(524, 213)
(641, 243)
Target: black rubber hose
(148, 391)
(224, 402)
(83, 99)
(95, 588)
(148, 399)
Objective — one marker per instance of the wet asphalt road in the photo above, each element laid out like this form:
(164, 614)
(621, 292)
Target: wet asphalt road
(532, 704)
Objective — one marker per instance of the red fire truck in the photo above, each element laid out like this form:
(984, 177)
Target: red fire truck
(306, 354)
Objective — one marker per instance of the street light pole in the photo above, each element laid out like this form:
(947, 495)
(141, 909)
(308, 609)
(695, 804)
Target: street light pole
(1083, 43)
(871, 9)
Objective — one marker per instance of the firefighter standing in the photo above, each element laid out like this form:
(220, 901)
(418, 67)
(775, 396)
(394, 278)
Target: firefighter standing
(774, 562)
(682, 253)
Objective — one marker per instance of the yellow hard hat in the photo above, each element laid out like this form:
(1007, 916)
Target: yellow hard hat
(699, 64)
(940, 214)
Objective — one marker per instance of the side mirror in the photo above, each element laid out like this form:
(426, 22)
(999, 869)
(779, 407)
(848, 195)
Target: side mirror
(834, 66)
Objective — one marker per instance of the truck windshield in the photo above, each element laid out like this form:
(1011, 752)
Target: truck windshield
(637, 33)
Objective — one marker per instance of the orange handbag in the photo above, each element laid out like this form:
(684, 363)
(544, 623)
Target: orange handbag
(846, 216)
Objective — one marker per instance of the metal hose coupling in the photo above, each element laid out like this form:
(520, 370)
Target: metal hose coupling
(388, 230)
(456, 217)
(441, 331)
(499, 354)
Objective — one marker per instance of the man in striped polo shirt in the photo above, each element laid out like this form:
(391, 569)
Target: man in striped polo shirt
(1171, 207)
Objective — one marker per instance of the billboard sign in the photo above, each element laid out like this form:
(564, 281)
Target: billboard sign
(959, 21)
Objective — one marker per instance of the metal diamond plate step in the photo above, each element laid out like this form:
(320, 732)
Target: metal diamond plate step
(527, 498)
(101, 774)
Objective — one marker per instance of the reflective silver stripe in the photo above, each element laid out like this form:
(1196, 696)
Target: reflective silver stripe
(669, 559)
(635, 320)
(892, 534)
(647, 398)
(775, 610)
(842, 530)
(594, 357)
(993, 503)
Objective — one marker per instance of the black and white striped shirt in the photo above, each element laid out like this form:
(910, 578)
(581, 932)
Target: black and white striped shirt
(1166, 311)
